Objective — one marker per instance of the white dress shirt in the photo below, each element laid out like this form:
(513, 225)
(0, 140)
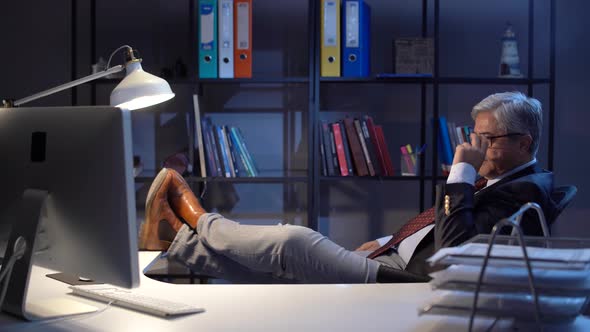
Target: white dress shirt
(460, 173)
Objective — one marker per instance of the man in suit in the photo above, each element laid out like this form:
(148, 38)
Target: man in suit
(502, 150)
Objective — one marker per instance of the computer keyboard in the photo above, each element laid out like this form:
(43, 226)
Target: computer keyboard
(129, 299)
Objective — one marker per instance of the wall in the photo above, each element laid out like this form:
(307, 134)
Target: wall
(572, 116)
(37, 49)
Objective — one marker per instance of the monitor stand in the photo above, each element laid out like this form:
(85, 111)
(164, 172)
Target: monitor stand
(15, 302)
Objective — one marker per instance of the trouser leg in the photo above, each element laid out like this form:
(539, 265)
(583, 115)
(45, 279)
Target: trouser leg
(226, 249)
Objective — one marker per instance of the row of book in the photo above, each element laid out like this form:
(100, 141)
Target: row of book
(225, 152)
(450, 135)
(225, 38)
(345, 48)
(354, 147)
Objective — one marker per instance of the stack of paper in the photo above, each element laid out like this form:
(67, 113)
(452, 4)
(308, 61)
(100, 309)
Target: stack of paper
(561, 277)
(512, 255)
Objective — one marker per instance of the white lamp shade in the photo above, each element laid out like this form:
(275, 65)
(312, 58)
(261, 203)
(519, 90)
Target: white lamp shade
(140, 89)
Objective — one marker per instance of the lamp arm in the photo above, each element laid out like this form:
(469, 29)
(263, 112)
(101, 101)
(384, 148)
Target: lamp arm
(68, 85)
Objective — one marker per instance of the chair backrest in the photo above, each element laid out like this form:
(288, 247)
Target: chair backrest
(562, 196)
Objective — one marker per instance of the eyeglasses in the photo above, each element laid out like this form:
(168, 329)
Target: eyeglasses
(492, 138)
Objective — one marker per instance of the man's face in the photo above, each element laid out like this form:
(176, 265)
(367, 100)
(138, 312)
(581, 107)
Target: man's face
(504, 153)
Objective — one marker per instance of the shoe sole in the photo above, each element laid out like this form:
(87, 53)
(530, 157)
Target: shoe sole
(145, 227)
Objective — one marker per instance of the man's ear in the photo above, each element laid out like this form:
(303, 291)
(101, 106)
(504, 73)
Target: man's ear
(525, 143)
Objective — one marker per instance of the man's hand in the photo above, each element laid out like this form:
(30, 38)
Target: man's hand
(369, 246)
(473, 153)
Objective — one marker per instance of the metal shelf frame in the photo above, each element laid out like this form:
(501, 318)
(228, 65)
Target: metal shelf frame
(314, 81)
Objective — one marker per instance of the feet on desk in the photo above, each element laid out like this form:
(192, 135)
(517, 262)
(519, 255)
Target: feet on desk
(170, 204)
(183, 201)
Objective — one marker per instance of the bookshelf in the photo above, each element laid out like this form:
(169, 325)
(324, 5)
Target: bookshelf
(281, 74)
(428, 104)
(405, 106)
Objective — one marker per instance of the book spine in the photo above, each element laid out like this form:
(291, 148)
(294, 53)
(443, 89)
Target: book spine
(377, 145)
(238, 166)
(241, 153)
(333, 151)
(346, 148)
(210, 147)
(207, 10)
(192, 147)
(371, 148)
(322, 151)
(386, 155)
(215, 148)
(446, 153)
(359, 132)
(328, 148)
(247, 153)
(355, 147)
(223, 152)
(230, 152)
(339, 149)
(199, 136)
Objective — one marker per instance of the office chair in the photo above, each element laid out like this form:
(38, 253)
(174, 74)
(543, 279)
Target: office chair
(562, 196)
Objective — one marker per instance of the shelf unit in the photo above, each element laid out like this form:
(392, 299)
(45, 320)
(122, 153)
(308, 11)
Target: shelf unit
(429, 88)
(310, 80)
(440, 80)
(288, 177)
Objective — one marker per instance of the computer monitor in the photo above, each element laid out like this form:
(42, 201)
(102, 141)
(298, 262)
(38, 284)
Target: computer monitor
(71, 168)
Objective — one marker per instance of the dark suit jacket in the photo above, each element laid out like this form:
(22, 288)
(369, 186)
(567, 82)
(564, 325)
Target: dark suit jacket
(473, 213)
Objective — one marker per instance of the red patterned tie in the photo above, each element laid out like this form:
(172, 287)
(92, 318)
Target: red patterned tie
(414, 225)
(480, 184)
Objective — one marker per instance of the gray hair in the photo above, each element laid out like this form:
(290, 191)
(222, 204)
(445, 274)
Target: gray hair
(515, 113)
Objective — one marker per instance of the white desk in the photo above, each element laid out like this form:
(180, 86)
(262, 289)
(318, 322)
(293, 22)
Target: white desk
(375, 307)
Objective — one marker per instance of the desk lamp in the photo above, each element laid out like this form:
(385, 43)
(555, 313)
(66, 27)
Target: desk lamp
(137, 90)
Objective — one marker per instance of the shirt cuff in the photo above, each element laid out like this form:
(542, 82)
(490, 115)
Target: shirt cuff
(382, 241)
(462, 173)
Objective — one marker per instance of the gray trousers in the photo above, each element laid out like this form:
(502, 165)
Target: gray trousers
(271, 254)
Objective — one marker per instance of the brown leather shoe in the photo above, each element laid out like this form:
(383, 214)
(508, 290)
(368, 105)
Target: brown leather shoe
(161, 224)
(183, 201)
